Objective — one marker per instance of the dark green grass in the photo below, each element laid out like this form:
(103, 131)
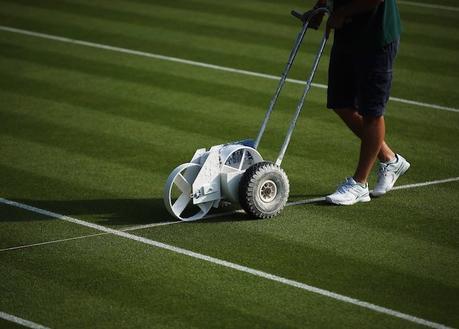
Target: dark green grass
(94, 134)
(119, 283)
(327, 244)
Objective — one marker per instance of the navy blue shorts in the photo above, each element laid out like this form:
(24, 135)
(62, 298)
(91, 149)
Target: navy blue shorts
(361, 80)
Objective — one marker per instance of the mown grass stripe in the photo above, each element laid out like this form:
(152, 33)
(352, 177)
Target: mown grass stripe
(156, 78)
(260, 57)
(164, 76)
(234, 266)
(80, 170)
(195, 63)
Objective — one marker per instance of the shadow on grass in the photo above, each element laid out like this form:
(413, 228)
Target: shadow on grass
(128, 212)
(220, 216)
(107, 211)
(122, 212)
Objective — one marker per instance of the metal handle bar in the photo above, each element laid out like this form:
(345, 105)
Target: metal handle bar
(291, 59)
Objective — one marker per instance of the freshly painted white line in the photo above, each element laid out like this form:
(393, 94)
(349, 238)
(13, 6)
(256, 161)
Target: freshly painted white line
(51, 242)
(200, 64)
(401, 187)
(230, 265)
(427, 5)
(127, 229)
(22, 322)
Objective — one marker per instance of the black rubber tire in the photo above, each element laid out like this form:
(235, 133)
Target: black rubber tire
(251, 183)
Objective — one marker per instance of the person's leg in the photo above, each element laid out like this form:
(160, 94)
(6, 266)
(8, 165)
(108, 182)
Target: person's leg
(358, 90)
(372, 138)
(375, 80)
(342, 93)
(355, 123)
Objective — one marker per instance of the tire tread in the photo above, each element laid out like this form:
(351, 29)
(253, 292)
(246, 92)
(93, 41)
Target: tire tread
(246, 188)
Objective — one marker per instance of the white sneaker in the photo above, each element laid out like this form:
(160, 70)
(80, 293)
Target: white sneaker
(388, 174)
(349, 193)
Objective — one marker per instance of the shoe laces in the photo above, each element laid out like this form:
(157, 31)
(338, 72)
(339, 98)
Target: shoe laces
(386, 168)
(383, 169)
(346, 186)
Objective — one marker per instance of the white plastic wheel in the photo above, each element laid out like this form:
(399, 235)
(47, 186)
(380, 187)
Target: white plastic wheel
(178, 194)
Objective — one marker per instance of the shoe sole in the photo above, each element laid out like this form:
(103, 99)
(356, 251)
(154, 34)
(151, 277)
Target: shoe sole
(406, 165)
(349, 203)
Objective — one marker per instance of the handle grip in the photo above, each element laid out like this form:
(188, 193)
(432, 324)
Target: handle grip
(297, 15)
(312, 17)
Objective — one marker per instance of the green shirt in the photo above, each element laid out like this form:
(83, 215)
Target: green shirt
(371, 30)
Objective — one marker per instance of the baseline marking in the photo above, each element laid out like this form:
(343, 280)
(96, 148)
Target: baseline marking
(200, 64)
(234, 266)
(22, 322)
(428, 5)
(401, 187)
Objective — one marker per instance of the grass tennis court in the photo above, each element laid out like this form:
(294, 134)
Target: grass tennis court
(93, 133)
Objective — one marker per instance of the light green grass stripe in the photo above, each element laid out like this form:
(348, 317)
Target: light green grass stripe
(237, 267)
(78, 169)
(116, 130)
(177, 13)
(195, 63)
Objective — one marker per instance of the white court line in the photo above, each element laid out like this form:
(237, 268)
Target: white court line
(400, 187)
(128, 229)
(230, 265)
(141, 227)
(428, 5)
(306, 201)
(200, 64)
(434, 182)
(22, 322)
